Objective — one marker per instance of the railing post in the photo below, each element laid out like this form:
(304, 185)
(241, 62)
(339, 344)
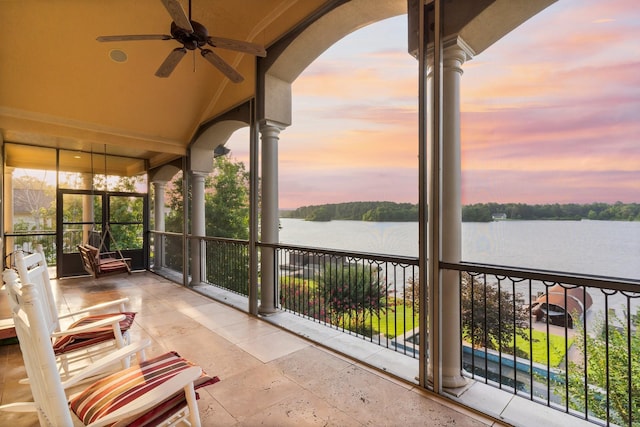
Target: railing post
(203, 260)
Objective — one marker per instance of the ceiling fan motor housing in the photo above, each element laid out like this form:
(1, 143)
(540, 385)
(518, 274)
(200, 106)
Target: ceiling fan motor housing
(190, 40)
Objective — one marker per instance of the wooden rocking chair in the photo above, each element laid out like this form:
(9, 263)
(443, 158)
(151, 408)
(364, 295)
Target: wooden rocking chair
(93, 332)
(158, 392)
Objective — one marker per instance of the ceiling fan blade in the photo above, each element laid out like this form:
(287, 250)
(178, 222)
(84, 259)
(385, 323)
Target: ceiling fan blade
(222, 65)
(238, 45)
(170, 63)
(177, 14)
(125, 38)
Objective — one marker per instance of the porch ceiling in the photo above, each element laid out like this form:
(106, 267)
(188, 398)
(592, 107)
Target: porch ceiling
(59, 87)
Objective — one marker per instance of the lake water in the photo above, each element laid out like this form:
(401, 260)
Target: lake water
(607, 248)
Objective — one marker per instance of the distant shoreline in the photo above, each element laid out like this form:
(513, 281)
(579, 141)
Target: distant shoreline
(479, 212)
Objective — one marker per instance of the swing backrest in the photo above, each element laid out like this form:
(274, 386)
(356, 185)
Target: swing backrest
(89, 255)
(98, 264)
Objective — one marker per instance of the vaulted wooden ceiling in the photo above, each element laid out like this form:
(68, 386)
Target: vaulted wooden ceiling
(59, 87)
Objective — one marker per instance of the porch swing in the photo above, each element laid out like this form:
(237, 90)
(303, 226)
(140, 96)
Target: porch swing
(99, 261)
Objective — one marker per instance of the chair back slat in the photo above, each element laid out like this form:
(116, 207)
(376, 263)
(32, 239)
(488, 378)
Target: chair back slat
(37, 352)
(33, 269)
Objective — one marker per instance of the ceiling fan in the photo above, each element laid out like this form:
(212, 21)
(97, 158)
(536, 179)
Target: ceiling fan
(192, 35)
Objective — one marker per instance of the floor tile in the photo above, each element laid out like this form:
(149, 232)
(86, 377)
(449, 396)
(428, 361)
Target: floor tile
(269, 377)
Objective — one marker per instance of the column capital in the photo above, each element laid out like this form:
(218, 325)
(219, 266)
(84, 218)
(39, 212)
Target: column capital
(266, 125)
(455, 45)
(199, 175)
(455, 53)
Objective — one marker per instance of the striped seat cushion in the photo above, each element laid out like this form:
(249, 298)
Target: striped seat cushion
(86, 339)
(112, 392)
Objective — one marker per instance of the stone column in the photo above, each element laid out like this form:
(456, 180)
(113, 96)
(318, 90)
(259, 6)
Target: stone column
(8, 207)
(159, 188)
(269, 225)
(198, 227)
(87, 207)
(454, 56)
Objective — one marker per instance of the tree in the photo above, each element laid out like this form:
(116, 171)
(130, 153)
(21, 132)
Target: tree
(491, 317)
(350, 291)
(612, 389)
(227, 206)
(174, 220)
(226, 215)
(488, 313)
(36, 198)
(412, 295)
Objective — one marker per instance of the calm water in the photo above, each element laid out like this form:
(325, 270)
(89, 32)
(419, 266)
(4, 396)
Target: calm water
(608, 248)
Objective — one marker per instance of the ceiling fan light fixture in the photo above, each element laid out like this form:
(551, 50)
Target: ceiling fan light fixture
(191, 35)
(118, 55)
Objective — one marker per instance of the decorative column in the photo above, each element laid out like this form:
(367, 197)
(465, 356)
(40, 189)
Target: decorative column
(87, 207)
(159, 193)
(269, 225)
(198, 228)
(8, 207)
(454, 55)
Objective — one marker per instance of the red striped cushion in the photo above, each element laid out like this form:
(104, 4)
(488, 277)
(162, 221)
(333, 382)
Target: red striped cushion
(87, 339)
(111, 393)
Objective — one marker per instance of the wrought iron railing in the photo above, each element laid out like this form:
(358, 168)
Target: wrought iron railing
(27, 242)
(226, 264)
(568, 342)
(372, 296)
(166, 251)
(537, 334)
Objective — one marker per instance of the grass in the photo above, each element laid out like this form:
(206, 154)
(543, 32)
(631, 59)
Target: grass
(556, 347)
(397, 320)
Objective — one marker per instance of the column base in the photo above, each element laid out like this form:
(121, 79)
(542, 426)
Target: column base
(452, 383)
(266, 311)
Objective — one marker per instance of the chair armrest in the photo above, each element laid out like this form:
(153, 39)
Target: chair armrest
(6, 323)
(19, 407)
(182, 381)
(121, 302)
(101, 366)
(107, 261)
(109, 321)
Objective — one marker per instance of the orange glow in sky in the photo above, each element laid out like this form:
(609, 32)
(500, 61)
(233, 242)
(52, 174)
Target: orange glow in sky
(549, 114)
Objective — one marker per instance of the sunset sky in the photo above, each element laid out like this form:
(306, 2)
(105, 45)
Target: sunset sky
(550, 114)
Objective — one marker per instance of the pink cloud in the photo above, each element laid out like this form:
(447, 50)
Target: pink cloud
(549, 114)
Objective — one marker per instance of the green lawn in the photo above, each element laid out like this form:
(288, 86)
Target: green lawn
(556, 350)
(396, 321)
(399, 319)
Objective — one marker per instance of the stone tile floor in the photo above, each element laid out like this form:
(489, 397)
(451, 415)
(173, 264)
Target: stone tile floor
(269, 377)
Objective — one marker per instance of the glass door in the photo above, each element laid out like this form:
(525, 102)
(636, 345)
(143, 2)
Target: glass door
(80, 220)
(108, 221)
(126, 220)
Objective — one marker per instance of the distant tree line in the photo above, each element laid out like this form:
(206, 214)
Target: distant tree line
(358, 211)
(479, 212)
(484, 212)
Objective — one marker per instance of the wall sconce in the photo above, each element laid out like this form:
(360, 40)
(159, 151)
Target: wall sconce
(220, 150)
